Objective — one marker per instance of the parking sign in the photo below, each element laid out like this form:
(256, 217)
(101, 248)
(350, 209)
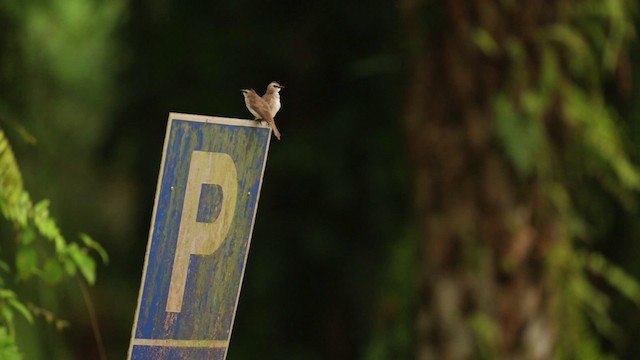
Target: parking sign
(205, 206)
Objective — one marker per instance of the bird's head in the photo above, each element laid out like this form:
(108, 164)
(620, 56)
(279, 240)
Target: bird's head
(274, 87)
(246, 91)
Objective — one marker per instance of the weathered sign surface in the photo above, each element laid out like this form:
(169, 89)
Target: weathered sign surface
(205, 207)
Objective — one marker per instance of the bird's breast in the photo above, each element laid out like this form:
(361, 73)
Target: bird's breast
(275, 105)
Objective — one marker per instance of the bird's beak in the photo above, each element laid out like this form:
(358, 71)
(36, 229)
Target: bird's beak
(280, 87)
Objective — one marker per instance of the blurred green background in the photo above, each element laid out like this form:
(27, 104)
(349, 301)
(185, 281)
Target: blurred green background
(333, 271)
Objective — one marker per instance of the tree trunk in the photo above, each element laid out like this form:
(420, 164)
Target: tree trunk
(486, 230)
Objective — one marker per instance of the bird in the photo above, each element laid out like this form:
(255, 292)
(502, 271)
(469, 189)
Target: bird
(272, 97)
(260, 109)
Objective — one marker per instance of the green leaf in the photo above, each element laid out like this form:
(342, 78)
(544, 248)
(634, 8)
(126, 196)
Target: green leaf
(550, 73)
(7, 314)
(487, 331)
(14, 200)
(28, 235)
(8, 348)
(7, 294)
(52, 271)
(574, 43)
(46, 224)
(482, 39)
(601, 134)
(26, 262)
(85, 263)
(520, 132)
(615, 276)
(92, 244)
(21, 309)
(4, 266)
(69, 266)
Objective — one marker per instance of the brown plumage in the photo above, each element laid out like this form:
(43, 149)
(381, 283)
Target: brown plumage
(260, 109)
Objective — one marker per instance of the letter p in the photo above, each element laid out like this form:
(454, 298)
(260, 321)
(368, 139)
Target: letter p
(207, 212)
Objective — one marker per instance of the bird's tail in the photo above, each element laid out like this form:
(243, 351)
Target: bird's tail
(275, 129)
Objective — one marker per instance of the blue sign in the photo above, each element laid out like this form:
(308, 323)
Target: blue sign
(203, 216)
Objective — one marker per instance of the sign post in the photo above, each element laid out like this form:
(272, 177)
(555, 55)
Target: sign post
(205, 207)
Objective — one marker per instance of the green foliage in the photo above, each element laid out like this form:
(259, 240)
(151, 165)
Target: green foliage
(555, 125)
(487, 331)
(614, 275)
(570, 75)
(8, 349)
(393, 337)
(521, 133)
(581, 305)
(14, 201)
(33, 223)
(33, 220)
(65, 67)
(600, 151)
(58, 64)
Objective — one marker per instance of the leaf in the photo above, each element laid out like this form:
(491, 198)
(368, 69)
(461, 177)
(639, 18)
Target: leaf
(26, 262)
(52, 271)
(21, 309)
(8, 348)
(601, 134)
(550, 73)
(615, 276)
(69, 266)
(7, 294)
(28, 235)
(46, 224)
(11, 186)
(520, 134)
(487, 331)
(84, 262)
(482, 39)
(92, 244)
(574, 43)
(7, 314)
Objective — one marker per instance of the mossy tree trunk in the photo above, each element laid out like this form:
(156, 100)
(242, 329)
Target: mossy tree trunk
(491, 126)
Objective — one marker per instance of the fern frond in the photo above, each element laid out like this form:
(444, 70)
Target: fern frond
(14, 200)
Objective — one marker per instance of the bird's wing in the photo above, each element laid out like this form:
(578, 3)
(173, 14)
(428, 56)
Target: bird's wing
(273, 102)
(268, 98)
(261, 107)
